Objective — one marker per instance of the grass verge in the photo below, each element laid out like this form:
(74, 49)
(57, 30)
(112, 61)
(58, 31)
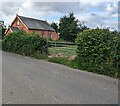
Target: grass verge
(65, 61)
(75, 65)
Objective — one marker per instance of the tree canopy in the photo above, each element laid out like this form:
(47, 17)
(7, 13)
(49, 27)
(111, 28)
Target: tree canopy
(55, 26)
(2, 29)
(69, 27)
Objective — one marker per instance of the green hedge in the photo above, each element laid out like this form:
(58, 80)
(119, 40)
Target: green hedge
(25, 44)
(99, 51)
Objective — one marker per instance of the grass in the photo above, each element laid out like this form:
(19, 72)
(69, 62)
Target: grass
(64, 51)
(75, 65)
(65, 61)
(65, 54)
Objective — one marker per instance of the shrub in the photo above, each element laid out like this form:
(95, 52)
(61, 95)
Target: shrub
(99, 51)
(25, 44)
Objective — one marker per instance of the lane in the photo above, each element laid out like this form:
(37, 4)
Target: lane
(27, 80)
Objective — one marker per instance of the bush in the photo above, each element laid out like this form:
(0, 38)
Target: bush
(99, 51)
(25, 44)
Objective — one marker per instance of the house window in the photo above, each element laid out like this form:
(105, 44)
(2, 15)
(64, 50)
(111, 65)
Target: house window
(18, 23)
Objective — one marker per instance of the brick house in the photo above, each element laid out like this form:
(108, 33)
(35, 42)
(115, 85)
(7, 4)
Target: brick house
(31, 25)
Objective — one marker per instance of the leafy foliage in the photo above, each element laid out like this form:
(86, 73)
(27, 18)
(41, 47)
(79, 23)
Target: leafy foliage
(69, 27)
(25, 44)
(2, 29)
(99, 51)
(64, 61)
(55, 26)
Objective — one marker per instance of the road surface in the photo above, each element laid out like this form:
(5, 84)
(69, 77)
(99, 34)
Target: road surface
(31, 81)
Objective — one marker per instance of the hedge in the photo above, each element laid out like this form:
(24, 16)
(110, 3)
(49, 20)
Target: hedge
(25, 44)
(99, 51)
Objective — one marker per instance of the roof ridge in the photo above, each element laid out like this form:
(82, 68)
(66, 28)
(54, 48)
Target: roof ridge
(31, 18)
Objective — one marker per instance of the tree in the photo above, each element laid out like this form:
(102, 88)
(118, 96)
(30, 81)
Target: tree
(68, 27)
(2, 29)
(55, 26)
(82, 26)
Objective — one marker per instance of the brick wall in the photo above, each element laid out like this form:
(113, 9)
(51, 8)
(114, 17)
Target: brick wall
(21, 25)
(48, 34)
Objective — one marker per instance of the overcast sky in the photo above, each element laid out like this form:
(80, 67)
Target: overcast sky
(93, 13)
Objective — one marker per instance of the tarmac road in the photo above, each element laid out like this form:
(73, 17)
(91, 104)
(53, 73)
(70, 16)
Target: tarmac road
(31, 81)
